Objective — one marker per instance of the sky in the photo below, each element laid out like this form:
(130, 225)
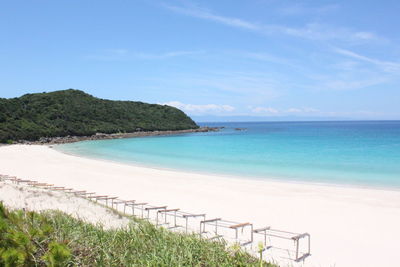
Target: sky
(266, 59)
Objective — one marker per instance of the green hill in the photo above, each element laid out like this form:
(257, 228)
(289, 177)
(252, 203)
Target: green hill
(73, 112)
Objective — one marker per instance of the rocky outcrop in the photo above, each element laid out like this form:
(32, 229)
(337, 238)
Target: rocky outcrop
(103, 136)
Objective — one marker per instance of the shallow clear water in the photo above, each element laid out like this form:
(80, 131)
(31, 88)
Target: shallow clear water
(359, 153)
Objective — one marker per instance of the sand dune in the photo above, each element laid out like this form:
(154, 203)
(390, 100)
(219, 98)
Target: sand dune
(35, 199)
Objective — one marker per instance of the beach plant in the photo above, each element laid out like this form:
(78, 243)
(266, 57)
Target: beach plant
(56, 239)
(12, 257)
(27, 239)
(260, 251)
(58, 255)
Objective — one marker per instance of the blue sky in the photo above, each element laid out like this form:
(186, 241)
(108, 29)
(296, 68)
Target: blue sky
(260, 58)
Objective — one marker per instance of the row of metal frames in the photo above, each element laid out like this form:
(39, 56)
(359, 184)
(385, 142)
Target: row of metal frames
(239, 233)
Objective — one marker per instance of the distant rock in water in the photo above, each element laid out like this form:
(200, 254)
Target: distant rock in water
(76, 113)
(240, 129)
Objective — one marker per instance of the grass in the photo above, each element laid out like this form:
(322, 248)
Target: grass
(56, 239)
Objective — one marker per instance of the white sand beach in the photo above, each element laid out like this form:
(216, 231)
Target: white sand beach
(349, 226)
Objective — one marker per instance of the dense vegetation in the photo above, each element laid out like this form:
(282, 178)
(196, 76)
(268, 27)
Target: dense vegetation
(55, 239)
(73, 112)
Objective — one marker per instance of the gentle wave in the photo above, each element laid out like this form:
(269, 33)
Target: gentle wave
(356, 153)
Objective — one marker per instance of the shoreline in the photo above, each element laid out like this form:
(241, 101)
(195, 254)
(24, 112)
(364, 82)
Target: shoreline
(103, 136)
(345, 223)
(232, 176)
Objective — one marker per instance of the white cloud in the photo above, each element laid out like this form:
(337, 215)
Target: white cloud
(264, 110)
(204, 14)
(356, 71)
(365, 35)
(294, 110)
(200, 109)
(251, 87)
(302, 110)
(274, 111)
(316, 31)
(312, 31)
(386, 66)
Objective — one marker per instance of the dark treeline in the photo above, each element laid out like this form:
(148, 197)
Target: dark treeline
(73, 112)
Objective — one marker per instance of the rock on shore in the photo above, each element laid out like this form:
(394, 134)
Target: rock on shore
(103, 136)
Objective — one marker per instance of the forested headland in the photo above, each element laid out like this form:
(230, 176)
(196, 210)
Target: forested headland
(76, 113)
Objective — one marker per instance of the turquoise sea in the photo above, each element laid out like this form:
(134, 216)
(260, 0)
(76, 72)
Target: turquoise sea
(365, 153)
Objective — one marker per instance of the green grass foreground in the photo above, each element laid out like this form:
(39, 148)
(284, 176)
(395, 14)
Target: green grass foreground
(56, 239)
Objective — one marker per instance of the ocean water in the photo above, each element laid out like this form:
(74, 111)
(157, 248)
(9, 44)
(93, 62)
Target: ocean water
(362, 153)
